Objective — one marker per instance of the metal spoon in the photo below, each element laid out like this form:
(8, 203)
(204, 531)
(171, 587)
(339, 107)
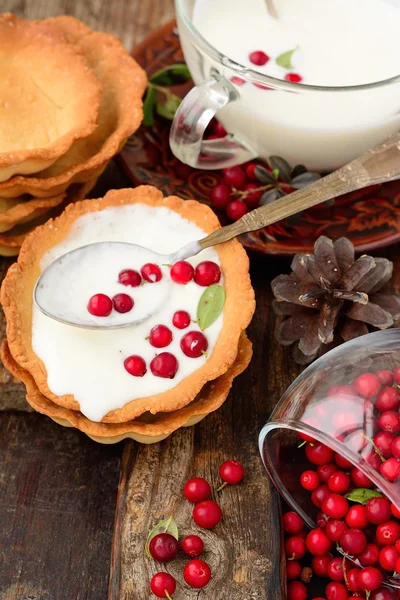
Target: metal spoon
(375, 166)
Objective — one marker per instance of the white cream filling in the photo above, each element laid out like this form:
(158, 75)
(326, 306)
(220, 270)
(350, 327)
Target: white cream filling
(89, 364)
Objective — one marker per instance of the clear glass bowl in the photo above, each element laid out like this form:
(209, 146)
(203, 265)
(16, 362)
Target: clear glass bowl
(325, 403)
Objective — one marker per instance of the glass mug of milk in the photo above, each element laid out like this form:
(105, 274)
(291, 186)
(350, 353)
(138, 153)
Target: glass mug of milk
(319, 85)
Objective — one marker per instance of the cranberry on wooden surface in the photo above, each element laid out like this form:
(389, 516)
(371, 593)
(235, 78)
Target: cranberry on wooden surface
(163, 585)
(197, 489)
(193, 546)
(197, 573)
(232, 472)
(207, 514)
(163, 547)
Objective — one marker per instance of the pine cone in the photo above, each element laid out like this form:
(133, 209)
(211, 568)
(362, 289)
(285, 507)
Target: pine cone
(330, 297)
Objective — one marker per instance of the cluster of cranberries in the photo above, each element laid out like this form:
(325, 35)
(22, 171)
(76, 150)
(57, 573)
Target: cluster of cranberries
(193, 344)
(206, 514)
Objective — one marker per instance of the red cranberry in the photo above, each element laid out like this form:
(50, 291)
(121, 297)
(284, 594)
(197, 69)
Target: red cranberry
(163, 585)
(251, 171)
(322, 519)
(160, 336)
(237, 80)
(395, 447)
(295, 548)
(352, 581)
(385, 377)
(390, 469)
(197, 489)
(151, 273)
(370, 579)
(319, 565)
(342, 462)
(367, 385)
(182, 272)
(318, 543)
(197, 573)
(163, 547)
(293, 569)
(181, 319)
(353, 541)
(383, 594)
(207, 273)
(164, 365)
(207, 514)
(292, 523)
(100, 305)
(335, 569)
(369, 556)
(388, 533)
(122, 303)
(318, 453)
(220, 196)
(319, 495)
(374, 460)
(236, 209)
(325, 471)
(305, 437)
(296, 591)
(232, 472)
(336, 591)
(378, 510)
(339, 482)
(219, 129)
(309, 480)
(129, 277)
(357, 517)
(383, 440)
(335, 506)
(387, 558)
(396, 375)
(135, 365)
(192, 545)
(334, 529)
(194, 344)
(388, 399)
(389, 421)
(359, 479)
(293, 77)
(259, 58)
(395, 512)
(253, 195)
(234, 176)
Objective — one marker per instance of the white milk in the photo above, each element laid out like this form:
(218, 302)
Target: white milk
(339, 43)
(90, 364)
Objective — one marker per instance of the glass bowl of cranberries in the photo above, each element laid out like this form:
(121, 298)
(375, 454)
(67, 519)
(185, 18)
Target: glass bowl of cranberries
(332, 449)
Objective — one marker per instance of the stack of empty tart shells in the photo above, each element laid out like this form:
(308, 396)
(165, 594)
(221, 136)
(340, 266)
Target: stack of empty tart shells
(149, 379)
(69, 99)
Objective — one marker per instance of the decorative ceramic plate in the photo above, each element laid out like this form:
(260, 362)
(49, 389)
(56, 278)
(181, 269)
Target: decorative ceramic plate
(370, 218)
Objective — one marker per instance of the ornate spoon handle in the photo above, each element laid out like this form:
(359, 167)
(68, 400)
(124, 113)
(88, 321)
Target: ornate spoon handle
(376, 166)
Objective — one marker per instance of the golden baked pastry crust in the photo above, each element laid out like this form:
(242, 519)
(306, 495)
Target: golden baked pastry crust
(120, 114)
(49, 97)
(17, 289)
(17, 211)
(143, 430)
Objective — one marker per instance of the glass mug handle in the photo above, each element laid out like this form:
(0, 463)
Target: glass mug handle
(194, 113)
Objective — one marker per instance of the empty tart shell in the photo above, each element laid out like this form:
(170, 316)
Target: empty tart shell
(49, 96)
(11, 240)
(17, 211)
(18, 285)
(120, 113)
(148, 428)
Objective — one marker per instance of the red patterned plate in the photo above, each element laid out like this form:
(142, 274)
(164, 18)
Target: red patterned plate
(370, 218)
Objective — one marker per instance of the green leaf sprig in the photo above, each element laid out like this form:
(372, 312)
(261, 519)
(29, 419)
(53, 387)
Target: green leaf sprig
(362, 495)
(164, 526)
(210, 305)
(158, 85)
(285, 59)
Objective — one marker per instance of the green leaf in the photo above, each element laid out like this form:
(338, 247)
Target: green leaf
(165, 526)
(275, 173)
(285, 59)
(173, 74)
(280, 164)
(168, 108)
(362, 495)
(210, 305)
(148, 106)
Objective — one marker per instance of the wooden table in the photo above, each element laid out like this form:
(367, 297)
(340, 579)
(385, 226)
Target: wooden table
(74, 515)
